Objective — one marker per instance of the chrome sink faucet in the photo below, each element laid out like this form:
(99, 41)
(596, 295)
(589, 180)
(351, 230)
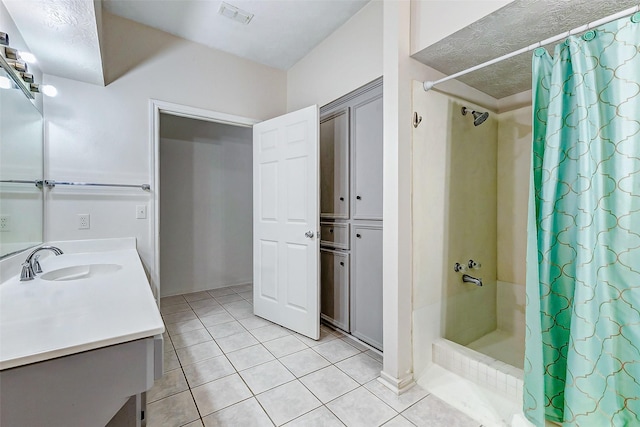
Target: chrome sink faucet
(32, 266)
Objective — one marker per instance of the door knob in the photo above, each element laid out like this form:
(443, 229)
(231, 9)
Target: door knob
(342, 199)
(309, 234)
(358, 197)
(358, 235)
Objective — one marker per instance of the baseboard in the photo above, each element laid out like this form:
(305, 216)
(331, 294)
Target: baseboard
(397, 385)
(189, 291)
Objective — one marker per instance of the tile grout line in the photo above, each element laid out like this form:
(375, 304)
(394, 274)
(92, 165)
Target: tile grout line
(253, 395)
(322, 404)
(336, 335)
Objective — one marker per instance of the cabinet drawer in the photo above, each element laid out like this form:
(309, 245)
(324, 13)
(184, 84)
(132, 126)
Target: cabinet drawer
(335, 235)
(334, 288)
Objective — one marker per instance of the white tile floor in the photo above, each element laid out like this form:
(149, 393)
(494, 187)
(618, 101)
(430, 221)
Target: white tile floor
(226, 367)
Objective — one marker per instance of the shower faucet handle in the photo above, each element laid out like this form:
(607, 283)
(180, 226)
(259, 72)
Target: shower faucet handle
(474, 265)
(457, 267)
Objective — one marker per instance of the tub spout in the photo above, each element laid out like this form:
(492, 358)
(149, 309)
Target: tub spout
(470, 279)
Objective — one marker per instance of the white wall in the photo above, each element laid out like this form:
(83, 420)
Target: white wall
(344, 61)
(101, 134)
(433, 20)
(205, 205)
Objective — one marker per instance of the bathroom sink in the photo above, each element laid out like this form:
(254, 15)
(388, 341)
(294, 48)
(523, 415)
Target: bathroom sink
(78, 272)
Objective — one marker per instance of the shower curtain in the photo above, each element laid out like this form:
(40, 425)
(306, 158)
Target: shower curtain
(582, 362)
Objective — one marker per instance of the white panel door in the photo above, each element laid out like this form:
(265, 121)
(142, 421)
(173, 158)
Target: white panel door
(285, 221)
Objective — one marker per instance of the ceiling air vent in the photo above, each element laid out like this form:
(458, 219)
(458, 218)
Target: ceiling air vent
(234, 13)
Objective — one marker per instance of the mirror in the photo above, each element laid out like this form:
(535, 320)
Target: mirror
(21, 166)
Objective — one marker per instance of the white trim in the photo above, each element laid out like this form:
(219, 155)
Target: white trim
(155, 108)
(397, 385)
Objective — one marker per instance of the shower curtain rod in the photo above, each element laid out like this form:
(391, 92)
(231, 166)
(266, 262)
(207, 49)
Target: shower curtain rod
(430, 84)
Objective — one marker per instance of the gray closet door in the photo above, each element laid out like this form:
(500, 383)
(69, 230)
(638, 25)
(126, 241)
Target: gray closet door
(366, 285)
(366, 141)
(334, 165)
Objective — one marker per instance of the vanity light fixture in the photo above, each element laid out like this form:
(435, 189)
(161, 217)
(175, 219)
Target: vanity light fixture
(27, 77)
(235, 13)
(15, 65)
(47, 90)
(10, 53)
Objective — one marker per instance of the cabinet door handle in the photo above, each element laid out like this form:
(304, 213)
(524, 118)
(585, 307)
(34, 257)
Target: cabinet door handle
(342, 199)
(358, 235)
(342, 263)
(331, 230)
(358, 197)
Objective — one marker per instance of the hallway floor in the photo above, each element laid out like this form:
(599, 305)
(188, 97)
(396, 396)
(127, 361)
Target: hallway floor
(226, 367)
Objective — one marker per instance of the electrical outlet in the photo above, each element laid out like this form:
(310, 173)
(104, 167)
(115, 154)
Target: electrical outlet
(84, 221)
(5, 223)
(141, 211)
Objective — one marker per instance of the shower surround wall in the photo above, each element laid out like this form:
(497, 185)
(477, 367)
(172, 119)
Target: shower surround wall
(514, 162)
(206, 225)
(470, 187)
(470, 310)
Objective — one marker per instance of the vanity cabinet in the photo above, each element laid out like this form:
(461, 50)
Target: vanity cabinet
(351, 158)
(83, 389)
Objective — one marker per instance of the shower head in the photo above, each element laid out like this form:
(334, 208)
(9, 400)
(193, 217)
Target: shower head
(478, 117)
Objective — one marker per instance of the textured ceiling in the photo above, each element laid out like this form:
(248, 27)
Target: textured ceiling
(517, 25)
(63, 36)
(280, 34)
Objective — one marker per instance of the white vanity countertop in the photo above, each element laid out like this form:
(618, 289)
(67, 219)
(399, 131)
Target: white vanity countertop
(41, 320)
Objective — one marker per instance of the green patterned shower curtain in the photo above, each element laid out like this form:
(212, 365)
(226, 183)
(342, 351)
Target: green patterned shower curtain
(582, 363)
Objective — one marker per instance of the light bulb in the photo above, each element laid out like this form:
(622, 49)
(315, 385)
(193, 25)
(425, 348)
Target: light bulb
(49, 90)
(28, 57)
(5, 83)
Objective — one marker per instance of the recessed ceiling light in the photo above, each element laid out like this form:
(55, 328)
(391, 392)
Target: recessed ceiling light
(235, 13)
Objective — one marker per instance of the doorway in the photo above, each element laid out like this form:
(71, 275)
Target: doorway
(296, 290)
(193, 136)
(205, 205)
